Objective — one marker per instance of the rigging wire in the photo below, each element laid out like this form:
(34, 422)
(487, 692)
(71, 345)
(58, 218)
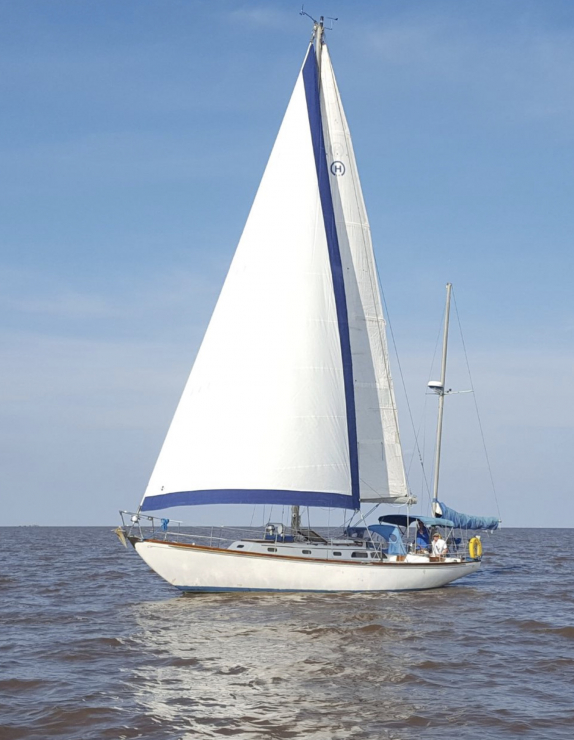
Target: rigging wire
(368, 514)
(422, 423)
(403, 383)
(476, 407)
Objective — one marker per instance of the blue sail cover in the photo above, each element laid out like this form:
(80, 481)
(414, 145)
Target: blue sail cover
(466, 521)
(404, 520)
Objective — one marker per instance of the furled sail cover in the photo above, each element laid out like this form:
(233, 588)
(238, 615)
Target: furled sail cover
(267, 415)
(376, 410)
(464, 521)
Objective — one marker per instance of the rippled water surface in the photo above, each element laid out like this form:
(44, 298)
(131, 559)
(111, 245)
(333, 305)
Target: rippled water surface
(94, 645)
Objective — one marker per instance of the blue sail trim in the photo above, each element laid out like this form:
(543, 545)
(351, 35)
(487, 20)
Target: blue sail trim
(311, 82)
(245, 496)
(466, 521)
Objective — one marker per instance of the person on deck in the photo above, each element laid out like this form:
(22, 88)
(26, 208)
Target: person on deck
(439, 546)
(422, 538)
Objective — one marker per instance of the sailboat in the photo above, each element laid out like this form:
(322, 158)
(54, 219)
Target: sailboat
(290, 401)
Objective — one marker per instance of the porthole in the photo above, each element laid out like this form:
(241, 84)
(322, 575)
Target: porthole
(271, 549)
(357, 554)
(307, 552)
(337, 554)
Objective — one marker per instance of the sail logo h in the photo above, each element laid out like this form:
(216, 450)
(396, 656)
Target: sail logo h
(337, 168)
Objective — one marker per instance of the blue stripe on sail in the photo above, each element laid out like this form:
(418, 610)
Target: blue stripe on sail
(245, 496)
(310, 79)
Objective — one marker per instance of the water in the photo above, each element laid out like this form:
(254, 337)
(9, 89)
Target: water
(93, 645)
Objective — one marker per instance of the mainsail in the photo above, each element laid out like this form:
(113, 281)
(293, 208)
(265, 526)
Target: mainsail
(290, 400)
(377, 417)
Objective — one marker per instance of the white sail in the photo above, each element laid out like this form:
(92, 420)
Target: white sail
(376, 410)
(290, 400)
(263, 417)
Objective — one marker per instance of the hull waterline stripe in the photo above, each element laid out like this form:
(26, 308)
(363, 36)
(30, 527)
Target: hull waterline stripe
(311, 82)
(247, 496)
(223, 590)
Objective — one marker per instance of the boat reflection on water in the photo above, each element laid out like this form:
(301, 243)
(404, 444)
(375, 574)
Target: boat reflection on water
(282, 665)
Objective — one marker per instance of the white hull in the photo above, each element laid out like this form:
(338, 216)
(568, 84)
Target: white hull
(200, 569)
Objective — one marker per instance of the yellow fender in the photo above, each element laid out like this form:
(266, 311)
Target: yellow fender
(475, 548)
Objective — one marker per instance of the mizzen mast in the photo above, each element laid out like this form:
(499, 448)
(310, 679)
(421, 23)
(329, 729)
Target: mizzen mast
(439, 388)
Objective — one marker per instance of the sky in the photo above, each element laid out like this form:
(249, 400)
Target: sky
(133, 137)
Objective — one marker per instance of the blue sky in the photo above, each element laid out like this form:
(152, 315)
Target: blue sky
(134, 135)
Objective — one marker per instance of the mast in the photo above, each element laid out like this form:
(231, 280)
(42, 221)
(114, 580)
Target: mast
(439, 389)
(318, 32)
(318, 29)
